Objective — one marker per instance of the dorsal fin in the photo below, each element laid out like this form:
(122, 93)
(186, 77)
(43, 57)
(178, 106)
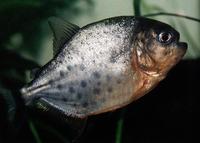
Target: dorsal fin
(62, 31)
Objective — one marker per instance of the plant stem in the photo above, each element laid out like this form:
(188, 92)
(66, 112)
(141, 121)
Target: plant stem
(136, 5)
(118, 138)
(119, 129)
(34, 131)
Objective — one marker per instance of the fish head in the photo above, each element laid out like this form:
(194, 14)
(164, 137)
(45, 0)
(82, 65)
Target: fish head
(157, 47)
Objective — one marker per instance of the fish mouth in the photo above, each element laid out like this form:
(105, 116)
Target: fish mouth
(182, 45)
(178, 52)
(181, 48)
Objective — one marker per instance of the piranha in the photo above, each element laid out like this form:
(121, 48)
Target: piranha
(104, 65)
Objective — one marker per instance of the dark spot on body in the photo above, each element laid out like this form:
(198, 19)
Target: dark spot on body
(83, 83)
(79, 95)
(64, 99)
(118, 36)
(60, 61)
(85, 104)
(69, 68)
(82, 67)
(98, 83)
(97, 74)
(51, 82)
(118, 81)
(110, 89)
(74, 104)
(96, 90)
(71, 89)
(108, 77)
(112, 59)
(59, 86)
(105, 32)
(62, 73)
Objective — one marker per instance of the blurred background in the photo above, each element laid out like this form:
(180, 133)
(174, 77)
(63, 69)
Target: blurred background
(165, 115)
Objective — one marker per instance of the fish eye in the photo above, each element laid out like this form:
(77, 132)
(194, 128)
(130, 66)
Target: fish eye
(165, 37)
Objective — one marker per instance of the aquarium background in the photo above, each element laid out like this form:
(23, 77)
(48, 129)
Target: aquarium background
(165, 115)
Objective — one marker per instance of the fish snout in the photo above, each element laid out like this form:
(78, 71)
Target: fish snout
(182, 45)
(181, 48)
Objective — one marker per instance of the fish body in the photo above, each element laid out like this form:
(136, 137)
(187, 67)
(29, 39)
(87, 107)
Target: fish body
(105, 65)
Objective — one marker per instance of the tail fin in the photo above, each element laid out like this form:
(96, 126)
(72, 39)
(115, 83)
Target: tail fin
(28, 92)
